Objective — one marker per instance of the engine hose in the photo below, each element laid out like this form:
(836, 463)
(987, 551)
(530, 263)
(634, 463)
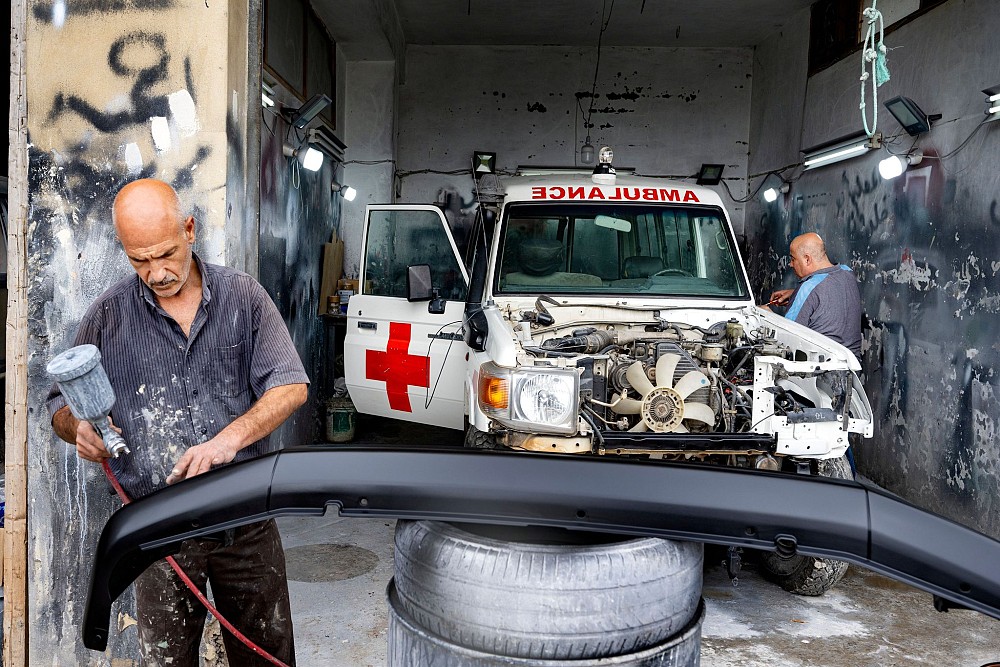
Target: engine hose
(587, 343)
(593, 425)
(549, 353)
(191, 585)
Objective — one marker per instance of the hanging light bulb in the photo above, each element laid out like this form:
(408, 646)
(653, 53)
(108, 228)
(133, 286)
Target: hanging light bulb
(587, 151)
(346, 191)
(771, 194)
(307, 156)
(894, 165)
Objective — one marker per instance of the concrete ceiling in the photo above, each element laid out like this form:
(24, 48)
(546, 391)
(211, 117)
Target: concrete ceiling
(372, 29)
(577, 22)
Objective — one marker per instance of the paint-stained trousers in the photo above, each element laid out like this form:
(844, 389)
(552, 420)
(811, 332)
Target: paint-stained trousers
(246, 567)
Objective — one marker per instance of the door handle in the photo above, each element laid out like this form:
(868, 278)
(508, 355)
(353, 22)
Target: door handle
(368, 325)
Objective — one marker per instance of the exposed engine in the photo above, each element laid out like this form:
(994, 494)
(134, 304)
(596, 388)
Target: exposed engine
(677, 378)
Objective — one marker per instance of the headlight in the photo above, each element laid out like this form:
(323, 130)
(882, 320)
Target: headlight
(541, 399)
(545, 398)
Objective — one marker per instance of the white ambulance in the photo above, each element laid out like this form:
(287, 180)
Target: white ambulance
(595, 314)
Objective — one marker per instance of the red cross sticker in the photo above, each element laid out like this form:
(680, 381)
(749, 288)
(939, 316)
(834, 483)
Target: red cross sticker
(397, 367)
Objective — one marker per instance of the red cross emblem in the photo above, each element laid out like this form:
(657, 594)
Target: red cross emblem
(397, 367)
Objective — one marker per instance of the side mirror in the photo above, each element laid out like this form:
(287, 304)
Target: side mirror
(418, 283)
(419, 288)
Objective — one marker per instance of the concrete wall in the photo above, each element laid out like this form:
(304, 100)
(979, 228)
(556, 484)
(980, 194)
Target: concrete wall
(924, 246)
(298, 214)
(369, 128)
(243, 134)
(524, 104)
(116, 90)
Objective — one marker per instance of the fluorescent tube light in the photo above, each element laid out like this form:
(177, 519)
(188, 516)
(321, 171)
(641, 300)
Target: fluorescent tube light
(841, 150)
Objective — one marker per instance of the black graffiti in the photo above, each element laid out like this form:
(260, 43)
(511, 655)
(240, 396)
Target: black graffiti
(91, 185)
(45, 11)
(189, 78)
(994, 213)
(144, 105)
(854, 202)
(185, 175)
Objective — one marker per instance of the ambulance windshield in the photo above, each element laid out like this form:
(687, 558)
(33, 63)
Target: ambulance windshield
(615, 248)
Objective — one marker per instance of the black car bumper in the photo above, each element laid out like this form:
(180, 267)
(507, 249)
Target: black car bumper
(771, 511)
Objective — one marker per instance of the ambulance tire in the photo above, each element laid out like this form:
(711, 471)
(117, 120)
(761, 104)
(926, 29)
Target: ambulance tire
(476, 439)
(807, 575)
(533, 593)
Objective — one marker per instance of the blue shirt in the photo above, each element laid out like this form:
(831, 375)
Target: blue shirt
(828, 302)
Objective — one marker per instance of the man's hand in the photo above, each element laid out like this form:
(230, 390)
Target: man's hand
(780, 297)
(267, 413)
(201, 458)
(89, 445)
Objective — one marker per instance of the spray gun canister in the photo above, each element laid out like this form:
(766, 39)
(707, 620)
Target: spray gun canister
(85, 386)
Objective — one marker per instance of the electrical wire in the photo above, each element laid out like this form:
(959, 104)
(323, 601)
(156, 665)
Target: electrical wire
(962, 145)
(431, 391)
(191, 585)
(744, 200)
(586, 115)
(597, 66)
(761, 420)
(263, 120)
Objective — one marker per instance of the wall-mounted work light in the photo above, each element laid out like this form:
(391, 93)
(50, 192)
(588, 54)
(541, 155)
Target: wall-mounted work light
(346, 191)
(307, 156)
(301, 117)
(910, 116)
(710, 174)
(992, 103)
(844, 148)
(483, 162)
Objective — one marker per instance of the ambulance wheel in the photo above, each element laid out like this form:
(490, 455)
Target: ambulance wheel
(807, 575)
(476, 439)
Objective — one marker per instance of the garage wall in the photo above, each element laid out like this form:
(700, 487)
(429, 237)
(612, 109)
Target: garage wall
(924, 247)
(370, 134)
(103, 78)
(665, 111)
(298, 213)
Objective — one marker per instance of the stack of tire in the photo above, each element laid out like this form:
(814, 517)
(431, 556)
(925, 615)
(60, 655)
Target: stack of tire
(482, 596)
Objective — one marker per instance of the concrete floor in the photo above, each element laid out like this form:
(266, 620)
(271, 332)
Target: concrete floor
(338, 570)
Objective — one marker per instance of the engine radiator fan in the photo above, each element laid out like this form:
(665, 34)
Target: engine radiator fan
(664, 408)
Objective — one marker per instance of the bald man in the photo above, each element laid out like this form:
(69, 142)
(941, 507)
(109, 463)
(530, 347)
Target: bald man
(827, 299)
(203, 370)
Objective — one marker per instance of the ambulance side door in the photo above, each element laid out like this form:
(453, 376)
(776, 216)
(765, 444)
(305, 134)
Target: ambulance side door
(400, 359)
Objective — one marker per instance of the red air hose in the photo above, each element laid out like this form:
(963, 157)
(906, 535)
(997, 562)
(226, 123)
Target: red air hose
(191, 586)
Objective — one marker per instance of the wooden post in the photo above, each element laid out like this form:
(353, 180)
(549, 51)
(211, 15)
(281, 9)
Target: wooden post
(15, 568)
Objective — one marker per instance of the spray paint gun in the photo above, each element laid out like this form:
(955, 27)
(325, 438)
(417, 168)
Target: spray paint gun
(85, 386)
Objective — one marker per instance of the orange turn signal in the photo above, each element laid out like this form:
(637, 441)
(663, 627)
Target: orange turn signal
(494, 392)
